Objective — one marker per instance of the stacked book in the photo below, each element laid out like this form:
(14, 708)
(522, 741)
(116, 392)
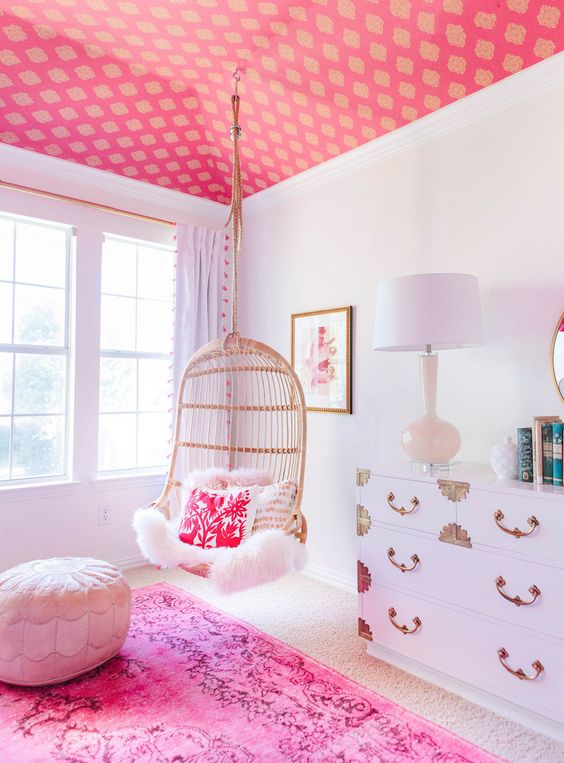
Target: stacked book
(540, 451)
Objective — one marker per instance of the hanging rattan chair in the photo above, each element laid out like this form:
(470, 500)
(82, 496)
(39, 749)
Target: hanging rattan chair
(240, 405)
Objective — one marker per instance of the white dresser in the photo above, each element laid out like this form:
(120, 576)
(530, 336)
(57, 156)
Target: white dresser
(461, 582)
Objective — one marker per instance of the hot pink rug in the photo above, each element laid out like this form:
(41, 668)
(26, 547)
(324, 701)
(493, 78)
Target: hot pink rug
(193, 684)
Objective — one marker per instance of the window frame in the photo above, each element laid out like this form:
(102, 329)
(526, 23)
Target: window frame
(109, 475)
(64, 350)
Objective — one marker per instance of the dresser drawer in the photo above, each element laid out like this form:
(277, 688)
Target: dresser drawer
(467, 648)
(485, 513)
(409, 504)
(468, 577)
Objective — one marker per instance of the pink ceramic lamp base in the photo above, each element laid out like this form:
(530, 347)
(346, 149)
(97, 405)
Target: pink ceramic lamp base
(430, 440)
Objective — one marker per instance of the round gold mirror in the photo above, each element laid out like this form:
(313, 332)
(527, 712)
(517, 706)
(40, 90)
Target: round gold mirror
(558, 355)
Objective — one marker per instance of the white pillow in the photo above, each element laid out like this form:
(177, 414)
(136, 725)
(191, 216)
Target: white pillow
(275, 505)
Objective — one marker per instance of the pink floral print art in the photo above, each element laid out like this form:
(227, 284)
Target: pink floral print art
(322, 358)
(319, 361)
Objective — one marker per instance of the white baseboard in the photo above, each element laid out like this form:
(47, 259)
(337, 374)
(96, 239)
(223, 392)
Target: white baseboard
(130, 562)
(334, 579)
(314, 571)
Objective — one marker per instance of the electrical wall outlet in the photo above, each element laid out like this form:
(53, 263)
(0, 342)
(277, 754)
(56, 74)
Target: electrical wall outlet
(104, 514)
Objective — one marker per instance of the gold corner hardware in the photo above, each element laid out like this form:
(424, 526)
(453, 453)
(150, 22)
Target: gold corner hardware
(456, 535)
(400, 509)
(532, 521)
(363, 577)
(517, 600)
(364, 630)
(453, 490)
(404, 628)
(363, 521)
(537, 666)
(362, 476)
(403, 567)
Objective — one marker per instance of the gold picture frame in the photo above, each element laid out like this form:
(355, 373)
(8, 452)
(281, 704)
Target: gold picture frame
(554, 355)
(321, 349)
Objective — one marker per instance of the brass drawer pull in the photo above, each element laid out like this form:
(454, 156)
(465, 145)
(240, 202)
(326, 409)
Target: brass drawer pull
(537, 666)
(403, 628)
(400, 509)
(403, 567)
(517, 600)
(532, 521)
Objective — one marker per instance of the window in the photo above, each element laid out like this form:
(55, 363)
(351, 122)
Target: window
(34, 347)
(136, 341)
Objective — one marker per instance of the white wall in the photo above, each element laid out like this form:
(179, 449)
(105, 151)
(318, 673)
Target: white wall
(486, 198)
(62, 519)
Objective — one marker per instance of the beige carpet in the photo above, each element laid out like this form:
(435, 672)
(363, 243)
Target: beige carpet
(321, 621)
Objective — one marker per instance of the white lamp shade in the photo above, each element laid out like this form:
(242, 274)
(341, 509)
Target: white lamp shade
(438, 309)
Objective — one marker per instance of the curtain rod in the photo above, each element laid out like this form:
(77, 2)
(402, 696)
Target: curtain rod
(83, 202)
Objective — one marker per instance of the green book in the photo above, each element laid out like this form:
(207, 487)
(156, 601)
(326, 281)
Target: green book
(547, 460)
(525, 453)
(557, 431)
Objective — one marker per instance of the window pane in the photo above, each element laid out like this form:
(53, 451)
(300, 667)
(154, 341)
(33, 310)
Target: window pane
(154, 326)
(117, 438)
(118, 268)
(6, 250)
(118, 323)
(37, 446)
(41, 255)
(6, 313)
(154, 434)
(40, 384)
(154, 385)
(6, 360)
(118, 385)
(155, 274)
(39, 315)
(4, 448)
(136, 319)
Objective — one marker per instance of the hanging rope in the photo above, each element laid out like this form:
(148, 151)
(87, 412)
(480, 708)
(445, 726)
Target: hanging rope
(236, 212)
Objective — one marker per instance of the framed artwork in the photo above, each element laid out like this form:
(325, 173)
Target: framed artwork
(322, 358)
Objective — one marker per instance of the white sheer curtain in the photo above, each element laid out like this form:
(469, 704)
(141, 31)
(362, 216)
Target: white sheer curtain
(200, 292)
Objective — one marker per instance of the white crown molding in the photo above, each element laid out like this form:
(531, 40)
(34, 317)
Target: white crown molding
(518, 87)
(51, 174)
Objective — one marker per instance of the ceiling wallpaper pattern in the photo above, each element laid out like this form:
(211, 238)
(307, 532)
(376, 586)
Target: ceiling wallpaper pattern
(142, 87)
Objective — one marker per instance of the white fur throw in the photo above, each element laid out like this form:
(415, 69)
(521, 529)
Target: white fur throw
(264, 557)
(216, 478)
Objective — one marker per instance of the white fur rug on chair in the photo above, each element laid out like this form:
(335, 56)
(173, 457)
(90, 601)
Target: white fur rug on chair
(264, 557)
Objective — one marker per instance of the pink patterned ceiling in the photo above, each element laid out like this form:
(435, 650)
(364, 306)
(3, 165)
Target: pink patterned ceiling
(142, 87)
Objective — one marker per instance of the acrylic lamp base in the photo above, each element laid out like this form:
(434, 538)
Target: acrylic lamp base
(430, 440)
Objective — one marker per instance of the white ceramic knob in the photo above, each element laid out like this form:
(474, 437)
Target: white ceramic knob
(504, 459)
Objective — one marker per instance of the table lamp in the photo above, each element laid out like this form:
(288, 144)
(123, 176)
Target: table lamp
(425, 312)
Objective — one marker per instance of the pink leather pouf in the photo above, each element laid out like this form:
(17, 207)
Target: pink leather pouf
(60, 618)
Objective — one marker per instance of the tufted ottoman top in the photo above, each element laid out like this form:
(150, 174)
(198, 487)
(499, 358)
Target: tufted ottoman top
(59, 618)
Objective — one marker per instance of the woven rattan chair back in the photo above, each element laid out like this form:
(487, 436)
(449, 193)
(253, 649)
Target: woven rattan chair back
(240, 404)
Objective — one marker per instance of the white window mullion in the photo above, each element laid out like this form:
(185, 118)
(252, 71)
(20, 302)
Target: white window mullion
(86, 366)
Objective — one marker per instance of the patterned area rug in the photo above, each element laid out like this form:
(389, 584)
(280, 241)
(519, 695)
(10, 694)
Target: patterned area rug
(194, 685)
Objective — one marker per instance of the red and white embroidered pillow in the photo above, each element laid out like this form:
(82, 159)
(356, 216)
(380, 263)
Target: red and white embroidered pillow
(218, 519)
(275, 505)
